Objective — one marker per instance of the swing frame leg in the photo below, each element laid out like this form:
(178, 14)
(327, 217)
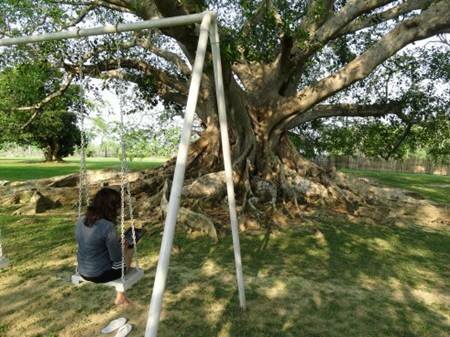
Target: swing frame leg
(208, 27)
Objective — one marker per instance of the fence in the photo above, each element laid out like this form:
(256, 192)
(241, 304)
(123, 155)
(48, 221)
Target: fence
(410, 165)
(20, 151)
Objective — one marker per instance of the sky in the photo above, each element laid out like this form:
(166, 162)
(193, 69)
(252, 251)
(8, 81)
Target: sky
(109, 110)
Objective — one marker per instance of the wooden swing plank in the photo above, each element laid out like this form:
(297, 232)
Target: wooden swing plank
(131, 278)
(4, 262)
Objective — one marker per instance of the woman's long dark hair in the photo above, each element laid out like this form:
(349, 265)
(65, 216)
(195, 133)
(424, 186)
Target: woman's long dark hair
(105, 205)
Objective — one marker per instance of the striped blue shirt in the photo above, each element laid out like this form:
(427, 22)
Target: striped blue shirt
(99, 248)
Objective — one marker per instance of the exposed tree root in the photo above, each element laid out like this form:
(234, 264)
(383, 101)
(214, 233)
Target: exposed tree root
(293, 184)
(196, 223)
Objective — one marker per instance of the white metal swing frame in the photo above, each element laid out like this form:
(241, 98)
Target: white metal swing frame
(4, 262)
(208, 31)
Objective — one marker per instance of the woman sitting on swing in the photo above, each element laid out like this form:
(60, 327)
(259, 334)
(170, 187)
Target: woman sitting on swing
(99, 247)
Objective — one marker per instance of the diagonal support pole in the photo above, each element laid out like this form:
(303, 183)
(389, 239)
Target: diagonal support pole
(177, 183)
(220, 95)
(3, 260)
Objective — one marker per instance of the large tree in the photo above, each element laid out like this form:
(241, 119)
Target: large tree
(285, 63)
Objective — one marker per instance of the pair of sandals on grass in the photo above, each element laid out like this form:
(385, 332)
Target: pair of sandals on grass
(123, 328)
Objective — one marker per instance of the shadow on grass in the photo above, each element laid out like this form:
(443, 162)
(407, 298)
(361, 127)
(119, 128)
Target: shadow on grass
(348, 280)
(359, 281)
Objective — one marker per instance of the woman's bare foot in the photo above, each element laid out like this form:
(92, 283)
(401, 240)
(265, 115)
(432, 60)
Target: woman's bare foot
(122, 299)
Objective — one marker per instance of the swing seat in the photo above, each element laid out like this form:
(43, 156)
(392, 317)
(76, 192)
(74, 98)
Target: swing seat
(4, 262)
(132, 277)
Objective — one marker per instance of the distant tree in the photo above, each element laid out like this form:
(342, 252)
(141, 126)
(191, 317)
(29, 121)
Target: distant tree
(136, 143)
(103, 129)
(165, 143)
(24, 92)
(142, 143)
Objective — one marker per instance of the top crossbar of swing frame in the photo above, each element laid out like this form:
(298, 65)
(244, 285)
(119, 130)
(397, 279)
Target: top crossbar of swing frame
(107, 29)
(209, 28)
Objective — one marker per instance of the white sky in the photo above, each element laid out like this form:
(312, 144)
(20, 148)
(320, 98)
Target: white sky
(109, 110)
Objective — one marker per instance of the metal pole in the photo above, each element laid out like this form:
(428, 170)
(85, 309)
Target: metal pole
(220, 93)
(107, 29)
(177, 184)
(3, 260)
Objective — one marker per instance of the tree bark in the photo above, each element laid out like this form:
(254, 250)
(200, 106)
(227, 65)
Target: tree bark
(48, 154)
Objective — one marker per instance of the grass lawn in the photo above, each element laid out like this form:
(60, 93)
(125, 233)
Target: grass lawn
(432, 187)
(351, 280)
(35, 168)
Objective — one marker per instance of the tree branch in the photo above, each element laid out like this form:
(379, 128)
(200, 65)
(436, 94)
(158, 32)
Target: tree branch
(165, 84)
(399, 141)
(258, 16)
(122, 6)
(314, 34)
(431, 21)
(347, 110)
(37, 108)
(318, 11)
(70, 3)
(186, 35)
(375, 19)
(165, 54)
(352, 10)
(85, 11)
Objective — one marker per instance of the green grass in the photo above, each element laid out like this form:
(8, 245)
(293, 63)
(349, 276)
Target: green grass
(432, 187)
(320, 276)
(353, 280)
(35, 168)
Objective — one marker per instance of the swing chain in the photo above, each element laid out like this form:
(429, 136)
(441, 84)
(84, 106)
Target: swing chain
(1, 249)
(125, 190)
(125, 185)
(125, 181)
(83, 192)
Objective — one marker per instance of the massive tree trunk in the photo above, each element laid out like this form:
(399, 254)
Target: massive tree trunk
(252, 147)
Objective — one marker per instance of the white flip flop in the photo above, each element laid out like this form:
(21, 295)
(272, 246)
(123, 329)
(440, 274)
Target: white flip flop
(124, 330)
(114, 325)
